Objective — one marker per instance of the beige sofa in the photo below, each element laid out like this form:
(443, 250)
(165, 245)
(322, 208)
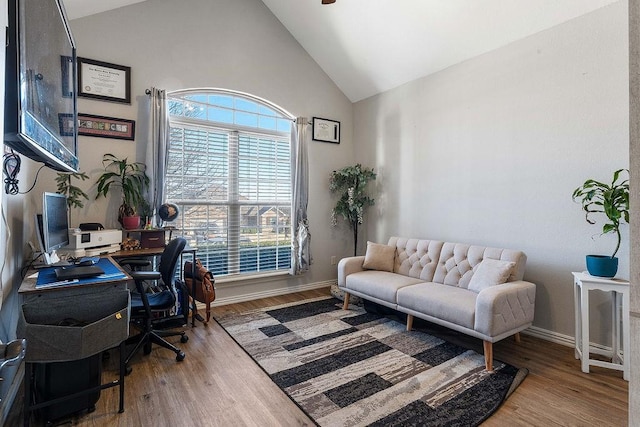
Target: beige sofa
(475, 290)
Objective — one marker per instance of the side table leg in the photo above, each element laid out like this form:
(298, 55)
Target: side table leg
(626, 336)
(584, 312)
(577, 320)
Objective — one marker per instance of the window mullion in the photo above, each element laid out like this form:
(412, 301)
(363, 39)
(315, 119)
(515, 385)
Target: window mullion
(233, 237)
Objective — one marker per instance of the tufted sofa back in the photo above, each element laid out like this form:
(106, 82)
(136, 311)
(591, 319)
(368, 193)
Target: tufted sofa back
(448, 263)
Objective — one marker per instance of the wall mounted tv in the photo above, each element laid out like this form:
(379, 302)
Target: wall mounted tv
(41, 85)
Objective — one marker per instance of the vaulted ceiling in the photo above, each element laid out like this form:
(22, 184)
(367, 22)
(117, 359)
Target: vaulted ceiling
(370, 46)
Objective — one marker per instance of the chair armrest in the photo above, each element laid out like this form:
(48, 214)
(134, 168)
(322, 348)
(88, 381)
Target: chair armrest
(135, 262)
(348, 266)
(145, 275)
(502, 308)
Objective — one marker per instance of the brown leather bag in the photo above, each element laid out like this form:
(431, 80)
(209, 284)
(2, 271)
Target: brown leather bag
(205, 290)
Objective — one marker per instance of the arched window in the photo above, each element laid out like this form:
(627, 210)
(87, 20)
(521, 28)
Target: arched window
(229, 170)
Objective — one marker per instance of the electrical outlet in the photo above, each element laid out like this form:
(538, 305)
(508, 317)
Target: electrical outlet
(334, 261)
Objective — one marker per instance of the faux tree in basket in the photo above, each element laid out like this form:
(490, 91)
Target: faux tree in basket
(131, 179)
(351, 185)
(612, 200)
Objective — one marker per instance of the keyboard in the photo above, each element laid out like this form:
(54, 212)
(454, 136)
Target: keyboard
(75, 272)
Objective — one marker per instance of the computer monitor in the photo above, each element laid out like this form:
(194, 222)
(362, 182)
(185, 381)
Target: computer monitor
(53, 226)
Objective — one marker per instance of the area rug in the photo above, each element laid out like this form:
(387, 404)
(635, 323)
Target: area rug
(353, 368)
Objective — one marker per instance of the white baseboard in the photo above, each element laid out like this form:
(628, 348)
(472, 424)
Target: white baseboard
(561, 339)
(273, 293)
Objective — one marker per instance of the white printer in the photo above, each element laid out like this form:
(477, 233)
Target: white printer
(92, 242)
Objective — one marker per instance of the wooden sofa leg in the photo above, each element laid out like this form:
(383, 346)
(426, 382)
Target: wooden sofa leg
(345, 306)
(517, 337)
(409, 322)
(488, 355)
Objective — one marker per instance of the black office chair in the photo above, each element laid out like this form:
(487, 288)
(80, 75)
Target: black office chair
(145, 304)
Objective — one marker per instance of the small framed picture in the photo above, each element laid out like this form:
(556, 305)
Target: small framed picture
(326, 130)
(104, 81)
(99, 126)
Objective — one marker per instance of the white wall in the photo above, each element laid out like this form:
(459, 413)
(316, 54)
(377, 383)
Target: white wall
(489, 152)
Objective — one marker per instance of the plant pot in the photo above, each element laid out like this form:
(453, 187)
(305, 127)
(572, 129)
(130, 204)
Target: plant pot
(131, 222)
(602, 265)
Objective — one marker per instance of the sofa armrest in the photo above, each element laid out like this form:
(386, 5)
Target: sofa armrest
(505, 307)
(348, 266)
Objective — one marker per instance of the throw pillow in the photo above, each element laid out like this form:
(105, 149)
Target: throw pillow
(379, 257)
(490, 272)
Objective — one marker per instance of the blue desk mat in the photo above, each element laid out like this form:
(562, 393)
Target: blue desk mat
(47, 276)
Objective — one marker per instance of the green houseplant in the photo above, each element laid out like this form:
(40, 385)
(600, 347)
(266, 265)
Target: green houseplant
(351, 184)
(612, 200)
(131, 179)
(74, 194)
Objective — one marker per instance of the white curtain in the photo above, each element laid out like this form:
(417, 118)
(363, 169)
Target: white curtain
(300, 236)
(156, 158)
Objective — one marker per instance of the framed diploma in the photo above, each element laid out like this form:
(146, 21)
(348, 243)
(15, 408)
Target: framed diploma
(104, 81)
(326, 130)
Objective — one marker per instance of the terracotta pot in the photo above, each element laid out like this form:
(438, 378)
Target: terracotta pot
(131, 222)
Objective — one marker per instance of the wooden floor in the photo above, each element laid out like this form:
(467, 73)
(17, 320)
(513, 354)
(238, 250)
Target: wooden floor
(219, 385)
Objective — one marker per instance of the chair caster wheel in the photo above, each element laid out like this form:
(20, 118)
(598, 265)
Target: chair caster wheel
(127, 370)
(184, 338)
(147, 348)
(180, 356)
(91, 409)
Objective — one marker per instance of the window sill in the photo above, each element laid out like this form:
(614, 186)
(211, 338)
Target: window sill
(251, 278)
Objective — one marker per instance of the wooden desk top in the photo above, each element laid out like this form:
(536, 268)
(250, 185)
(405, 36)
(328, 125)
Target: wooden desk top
(135, 253)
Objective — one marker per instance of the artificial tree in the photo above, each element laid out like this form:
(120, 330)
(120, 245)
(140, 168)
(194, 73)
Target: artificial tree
(351, 184)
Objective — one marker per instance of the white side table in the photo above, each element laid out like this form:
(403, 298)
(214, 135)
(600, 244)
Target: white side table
(583, 283)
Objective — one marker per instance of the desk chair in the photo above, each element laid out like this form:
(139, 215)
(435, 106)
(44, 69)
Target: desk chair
(145, 306)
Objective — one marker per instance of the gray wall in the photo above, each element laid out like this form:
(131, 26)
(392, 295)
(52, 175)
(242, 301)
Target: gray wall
(490, 150)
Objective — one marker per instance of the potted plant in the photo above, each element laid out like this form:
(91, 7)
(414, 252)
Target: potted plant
(74, 194)
(613, 201)
(132, 180)
(351, 183)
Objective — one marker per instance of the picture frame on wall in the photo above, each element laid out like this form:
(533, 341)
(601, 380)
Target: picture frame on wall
(326, 130)
(104, 81)
(99, 126)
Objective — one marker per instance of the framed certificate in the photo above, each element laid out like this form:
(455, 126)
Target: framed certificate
(104, 81)
(326, 130)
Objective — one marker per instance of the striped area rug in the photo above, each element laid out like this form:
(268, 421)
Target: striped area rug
(353, 368)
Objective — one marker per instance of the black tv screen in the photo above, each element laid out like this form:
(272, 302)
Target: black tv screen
(40, 89)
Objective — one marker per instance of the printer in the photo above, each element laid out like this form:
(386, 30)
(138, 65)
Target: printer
(92, 242)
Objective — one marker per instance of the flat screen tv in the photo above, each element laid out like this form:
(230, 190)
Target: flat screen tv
(41, 84)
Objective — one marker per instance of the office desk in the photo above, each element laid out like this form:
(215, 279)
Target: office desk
(153, 252)
(102, 306)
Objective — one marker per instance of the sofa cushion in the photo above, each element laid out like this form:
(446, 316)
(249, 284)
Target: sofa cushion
(379, 257)
(449, 303)
(490, 272)
(379, 284)
(416, 258)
